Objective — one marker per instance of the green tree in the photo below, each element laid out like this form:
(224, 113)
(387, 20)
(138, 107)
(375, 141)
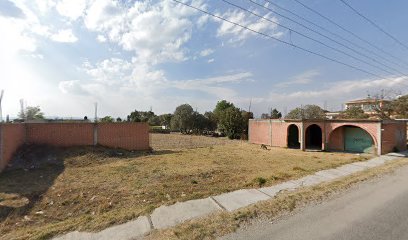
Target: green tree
(118, 119)
(275, 114)
(165, 119)
(400, 106)
(141, 116)
(211, 121)
(307, 112)
(107, 119)
(354, 112)
(154, 120)
(31, 113)
(232, 122)
(221, 107)
(183, 118)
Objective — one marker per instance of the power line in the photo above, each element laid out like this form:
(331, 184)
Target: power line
(374, 24)
(281, 41)
(327, 37)
(333, 33)
(310, 38)
(349, 32)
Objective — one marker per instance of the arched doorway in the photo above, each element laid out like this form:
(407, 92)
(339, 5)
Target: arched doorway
(293, 137)
(314, 137)
(351, 139)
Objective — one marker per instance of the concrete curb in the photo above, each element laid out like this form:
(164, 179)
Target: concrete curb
(169, 216)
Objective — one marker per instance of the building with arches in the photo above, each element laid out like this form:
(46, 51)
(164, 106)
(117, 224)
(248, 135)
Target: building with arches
(359, 136)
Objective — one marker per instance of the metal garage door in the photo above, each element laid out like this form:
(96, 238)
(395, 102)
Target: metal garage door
(357, 140)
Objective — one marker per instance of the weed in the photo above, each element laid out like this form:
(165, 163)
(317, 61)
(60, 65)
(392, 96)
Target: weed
(260, 181)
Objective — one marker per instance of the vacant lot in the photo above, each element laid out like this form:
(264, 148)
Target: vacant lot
(178, 141)
(88, 189)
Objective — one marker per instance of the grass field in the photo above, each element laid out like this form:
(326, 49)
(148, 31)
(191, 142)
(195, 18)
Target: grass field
(91, 188)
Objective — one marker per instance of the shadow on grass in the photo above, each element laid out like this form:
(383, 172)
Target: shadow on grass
(35, 168)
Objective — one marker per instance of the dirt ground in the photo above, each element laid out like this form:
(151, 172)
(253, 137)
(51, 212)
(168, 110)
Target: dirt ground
(91, 188)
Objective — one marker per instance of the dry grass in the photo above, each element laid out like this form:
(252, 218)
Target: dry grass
(179, 141)
(220, 224)
(88, 189)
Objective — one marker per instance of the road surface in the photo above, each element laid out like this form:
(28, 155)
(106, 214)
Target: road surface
(376, 210)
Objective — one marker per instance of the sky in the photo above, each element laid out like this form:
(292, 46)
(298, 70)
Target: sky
(65, 55)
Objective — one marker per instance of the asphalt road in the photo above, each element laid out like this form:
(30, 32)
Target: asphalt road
(376, 210)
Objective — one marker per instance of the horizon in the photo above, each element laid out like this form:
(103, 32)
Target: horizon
(66, 55)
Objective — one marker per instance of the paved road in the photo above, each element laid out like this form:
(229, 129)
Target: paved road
(372, 211)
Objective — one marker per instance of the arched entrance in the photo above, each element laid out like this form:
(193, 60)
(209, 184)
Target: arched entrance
(314, 137)
(351, 139)
(293, 137)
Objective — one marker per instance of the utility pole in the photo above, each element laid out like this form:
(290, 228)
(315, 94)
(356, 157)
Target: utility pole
(250, 104)
(96, 112)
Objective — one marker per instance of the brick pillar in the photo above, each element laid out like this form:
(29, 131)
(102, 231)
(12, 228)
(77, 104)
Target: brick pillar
(379, 138)
(302, 136)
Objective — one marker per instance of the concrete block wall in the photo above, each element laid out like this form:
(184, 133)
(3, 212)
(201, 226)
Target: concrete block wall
(129, 136)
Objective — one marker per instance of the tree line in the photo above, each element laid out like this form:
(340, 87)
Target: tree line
(226, 120)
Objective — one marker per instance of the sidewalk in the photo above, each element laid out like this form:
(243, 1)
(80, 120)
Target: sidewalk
(169, 216)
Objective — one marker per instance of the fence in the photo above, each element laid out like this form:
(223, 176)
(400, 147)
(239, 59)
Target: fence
(129, 136)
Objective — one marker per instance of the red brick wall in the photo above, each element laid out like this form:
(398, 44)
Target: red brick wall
(280, 133)
(60, 134)
(336, 141)
(259, 132)
(12, 137)
(130, 136)
(394, 135)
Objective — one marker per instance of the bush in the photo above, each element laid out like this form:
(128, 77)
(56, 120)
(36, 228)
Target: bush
(260, 181)
(159, 129)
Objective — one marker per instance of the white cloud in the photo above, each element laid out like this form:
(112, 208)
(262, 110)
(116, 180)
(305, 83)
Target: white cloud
(206, 52)
(101, 38)
(300, 79)
(72, 9)
(156, 32)
(211, 60)
(65, 36)
(238, 34)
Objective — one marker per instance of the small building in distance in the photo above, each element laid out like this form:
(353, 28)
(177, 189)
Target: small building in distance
(368, 105)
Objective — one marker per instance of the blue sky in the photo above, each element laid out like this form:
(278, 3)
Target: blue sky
(64, 55)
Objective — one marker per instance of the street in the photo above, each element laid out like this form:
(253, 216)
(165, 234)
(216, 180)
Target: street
(373, 210)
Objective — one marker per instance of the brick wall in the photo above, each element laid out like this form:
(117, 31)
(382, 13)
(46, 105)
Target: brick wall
(259, 132)
(130, 136)
(60, 134)
(394, 135)
(274, 133)
(12, 136)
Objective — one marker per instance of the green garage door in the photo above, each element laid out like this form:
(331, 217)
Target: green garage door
(358, 140)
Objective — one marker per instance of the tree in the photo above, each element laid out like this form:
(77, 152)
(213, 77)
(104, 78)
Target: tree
(183, 118)
(107, 119)
(31, 113)
(140, 116)
(211, 121)
(165, 119)
(118, 119)
(221, 107)
(307, 112)
(231, 122)
(400, 106)
(265, 116)
(275, 114)
(354, 112)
